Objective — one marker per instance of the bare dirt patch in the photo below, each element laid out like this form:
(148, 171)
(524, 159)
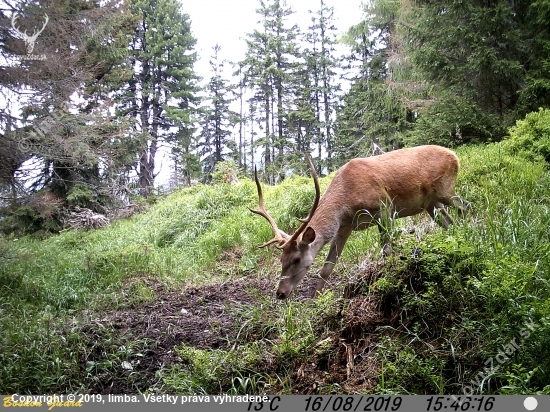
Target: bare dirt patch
(350, 366)
(197, 316)
(206, 318)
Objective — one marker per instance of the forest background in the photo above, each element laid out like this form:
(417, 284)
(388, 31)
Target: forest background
(83, 126)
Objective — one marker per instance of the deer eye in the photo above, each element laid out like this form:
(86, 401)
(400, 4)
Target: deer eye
(296, 261)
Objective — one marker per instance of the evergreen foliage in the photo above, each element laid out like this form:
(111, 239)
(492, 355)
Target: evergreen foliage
(269, 70)
(372, 115)
(159, 92)
(83, 128)
(531, 136)
(455, 71)
(322, 86)
(217, 119)
(57, 138)
(122, 90)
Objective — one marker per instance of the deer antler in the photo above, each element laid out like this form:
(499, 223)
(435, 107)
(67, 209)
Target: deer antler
(305, 221)
(280, 236)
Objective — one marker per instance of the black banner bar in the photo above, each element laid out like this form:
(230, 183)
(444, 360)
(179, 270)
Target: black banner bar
(284, 403)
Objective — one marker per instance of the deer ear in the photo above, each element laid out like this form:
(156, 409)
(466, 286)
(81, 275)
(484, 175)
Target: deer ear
(308, 236)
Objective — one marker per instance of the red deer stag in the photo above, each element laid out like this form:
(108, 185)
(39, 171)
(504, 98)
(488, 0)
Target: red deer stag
(396, 184)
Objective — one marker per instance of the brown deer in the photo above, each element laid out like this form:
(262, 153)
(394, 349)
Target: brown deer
(363, 192)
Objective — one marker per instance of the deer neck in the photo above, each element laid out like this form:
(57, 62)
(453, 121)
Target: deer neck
(326, 223)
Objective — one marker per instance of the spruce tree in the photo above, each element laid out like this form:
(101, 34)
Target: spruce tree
(73, 149)
(372, 115)
(159, 94)
(482, 62)
(322, 64)
(217, 119)
(270, 65)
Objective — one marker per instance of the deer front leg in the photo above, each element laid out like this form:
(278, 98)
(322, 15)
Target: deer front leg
(334, 252)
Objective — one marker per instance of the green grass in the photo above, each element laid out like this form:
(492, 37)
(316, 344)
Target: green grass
(483, 280)
(463, 293)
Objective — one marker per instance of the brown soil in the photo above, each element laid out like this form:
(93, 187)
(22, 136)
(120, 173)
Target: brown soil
(205, 317)
(197, 316)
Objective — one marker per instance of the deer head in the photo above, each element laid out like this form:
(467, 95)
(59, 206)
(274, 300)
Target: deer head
(296, 257)
(29, 40)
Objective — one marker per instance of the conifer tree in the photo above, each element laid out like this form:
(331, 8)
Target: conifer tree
(72, 148)
(372, 116)
(322, 64)
(481, 62)
(257, 78)
(217, 119)
(159, 94)
(269, 71)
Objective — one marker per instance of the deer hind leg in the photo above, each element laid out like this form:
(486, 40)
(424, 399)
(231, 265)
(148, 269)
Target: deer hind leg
(334, 253)
(462, 205)
(439, 214)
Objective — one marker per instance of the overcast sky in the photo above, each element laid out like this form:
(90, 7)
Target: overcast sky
(227, 22)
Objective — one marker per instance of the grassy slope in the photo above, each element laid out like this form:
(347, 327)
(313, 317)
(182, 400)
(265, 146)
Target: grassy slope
(481, 282)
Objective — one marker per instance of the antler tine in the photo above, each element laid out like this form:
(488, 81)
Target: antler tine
(305, 221)
(14, 17)
(37, 32)
(279, 236)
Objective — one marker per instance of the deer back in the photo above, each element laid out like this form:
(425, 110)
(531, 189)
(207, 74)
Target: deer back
(407, 179)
